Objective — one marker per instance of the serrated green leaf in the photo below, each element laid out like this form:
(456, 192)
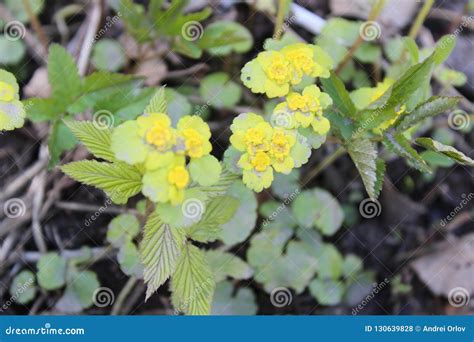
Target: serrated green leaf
(118, 180)
(399, 145)
(97, 140)
(100, 80)
(226, 179)
(51, 271)
(218, 211)
(63, 75)
(446, 150)
(227, 265)
(157, 103)
(160, 249)
(380, 175)
(23, 288)
(340, 96)
(363, 153)
(192, 283)
(434, 106)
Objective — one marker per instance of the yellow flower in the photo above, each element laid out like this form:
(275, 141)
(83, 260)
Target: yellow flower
(7, 92)
(12, 111)
(171, 159)
(272, 72)
(303, 110)
(265, 149)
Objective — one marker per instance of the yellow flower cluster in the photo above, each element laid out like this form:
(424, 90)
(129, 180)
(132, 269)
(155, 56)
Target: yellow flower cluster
(273, 72)
(163, 151)
(265, 149)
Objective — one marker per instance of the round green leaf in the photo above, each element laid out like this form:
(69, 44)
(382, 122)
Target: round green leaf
(222, 37)
(129, 260)
(326, 291)
(205, 170)
(17, 9)
(11, 51)
(243, 303)
(219, 91)
(51, 271)
(178, 105)
(23, 288)
(122, 228)
(108, 55)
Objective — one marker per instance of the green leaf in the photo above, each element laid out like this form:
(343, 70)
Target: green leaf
(224, 303)
(220, 188)
(399, 145)
(286, 186)
(218, 211)
(336, 89)
(434, 106)
(227, 265)
(330, 262)
(380, 174)
(243, 222)
(39, 109)
(51, 271)
(352, 265)
(157, 103)
(160, 249)
(96, 139)
(23, 288)
(319, 208)
(443, 49)
(80, 292)
(122, 229)
(178, 105)
(327, 291)
(63, 75)
(129, 259)
(108, 55)
(222, 37)
(192, 283)
(187, 48)
(103, 80)
(60, 139)
(446, 150)
(219, 91)
(135, 20)
(267, 246)
(364, 153)
(119, 180)
(205, 170)
(11, 51)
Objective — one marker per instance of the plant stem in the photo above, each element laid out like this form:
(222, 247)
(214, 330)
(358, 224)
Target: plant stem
(374, 13)
(123, 295)
(36, 24)
(420, 18)
(280, 19)
(328, 160)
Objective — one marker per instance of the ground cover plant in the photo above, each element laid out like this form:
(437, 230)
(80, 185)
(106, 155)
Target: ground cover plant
(264, 157)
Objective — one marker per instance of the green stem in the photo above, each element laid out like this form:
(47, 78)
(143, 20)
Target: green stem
(123, 295)
(328, 160)
(36, 24)
(374, 13)
(280, 19)
(420, 18)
